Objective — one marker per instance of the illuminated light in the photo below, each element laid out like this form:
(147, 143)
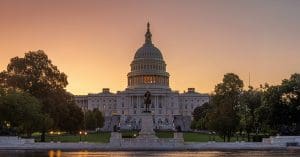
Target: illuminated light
(51, 153)
(58, 153)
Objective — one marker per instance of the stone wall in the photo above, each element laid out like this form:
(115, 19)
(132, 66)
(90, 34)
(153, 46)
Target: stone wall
(14, 140)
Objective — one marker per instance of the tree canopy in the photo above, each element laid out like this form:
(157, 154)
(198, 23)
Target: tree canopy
(21, 112)
(224, 116)
(271, 109)
(94, 119)
(36, 75)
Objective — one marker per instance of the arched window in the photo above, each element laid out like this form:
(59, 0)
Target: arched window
(166, 120)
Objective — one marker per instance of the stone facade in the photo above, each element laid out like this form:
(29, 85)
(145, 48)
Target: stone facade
(169, 108)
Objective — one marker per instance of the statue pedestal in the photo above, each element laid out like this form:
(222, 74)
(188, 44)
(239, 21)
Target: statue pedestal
(147, 131)
(178, 137)
(115, 138)
(146, 138)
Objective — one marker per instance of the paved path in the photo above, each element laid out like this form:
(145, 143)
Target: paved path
(185, 146)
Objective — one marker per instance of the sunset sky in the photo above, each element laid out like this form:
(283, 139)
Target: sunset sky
(94, 41)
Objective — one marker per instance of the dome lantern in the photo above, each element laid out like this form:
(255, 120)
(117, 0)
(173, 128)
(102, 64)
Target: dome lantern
(148, 34)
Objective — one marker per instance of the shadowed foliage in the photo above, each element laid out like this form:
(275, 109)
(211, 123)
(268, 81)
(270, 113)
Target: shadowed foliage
(35, 74)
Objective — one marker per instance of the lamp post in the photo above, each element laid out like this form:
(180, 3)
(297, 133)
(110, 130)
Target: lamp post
(58, 134)
(51, 134)
(80, 132)
(85, 133)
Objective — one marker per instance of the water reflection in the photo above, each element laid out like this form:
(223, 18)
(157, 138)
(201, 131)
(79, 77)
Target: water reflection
(58, 153)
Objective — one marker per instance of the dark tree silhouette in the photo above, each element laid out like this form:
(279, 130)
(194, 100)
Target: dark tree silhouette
(35, 74)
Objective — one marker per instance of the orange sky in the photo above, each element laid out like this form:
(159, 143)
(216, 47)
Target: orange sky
(94, 41)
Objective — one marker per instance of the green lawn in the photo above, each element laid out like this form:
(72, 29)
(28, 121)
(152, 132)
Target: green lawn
(130, 134)
(164, 134)
(199, 137)
(103, 137)
(202, 137)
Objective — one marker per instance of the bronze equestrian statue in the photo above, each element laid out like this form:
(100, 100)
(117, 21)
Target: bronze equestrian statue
(147, 101)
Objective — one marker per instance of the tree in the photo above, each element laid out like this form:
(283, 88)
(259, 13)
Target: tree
(223, 117)
(291, 98)
(262, 117)
(35, 74)
(200, 111)
(250, 101)
(199, 115)
(99, 118)
(284, 105)
(21, 111)
(74, 119)
(94, 119)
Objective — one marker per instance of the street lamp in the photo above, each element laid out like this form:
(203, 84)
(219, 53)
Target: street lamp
(58, 136)
(85, 133)
(80, 133)
(51, 133)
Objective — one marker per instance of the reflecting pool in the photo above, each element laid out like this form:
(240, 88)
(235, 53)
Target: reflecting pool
(57, 153)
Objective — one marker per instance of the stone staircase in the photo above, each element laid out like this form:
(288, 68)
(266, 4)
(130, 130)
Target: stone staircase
(183, 121)
(110, 122)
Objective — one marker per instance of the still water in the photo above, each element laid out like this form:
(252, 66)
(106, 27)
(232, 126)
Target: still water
(289, 153)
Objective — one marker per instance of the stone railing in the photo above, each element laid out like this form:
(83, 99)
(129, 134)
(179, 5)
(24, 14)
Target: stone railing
(14, 140)
(117, 140)
(282, 140)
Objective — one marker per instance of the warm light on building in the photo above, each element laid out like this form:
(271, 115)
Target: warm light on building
(148, 73)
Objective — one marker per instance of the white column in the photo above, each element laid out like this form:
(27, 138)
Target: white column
(138, 104)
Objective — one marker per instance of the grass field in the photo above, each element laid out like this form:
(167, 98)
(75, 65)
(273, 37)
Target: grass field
(200, 137)
(103, 137)
(164, 134)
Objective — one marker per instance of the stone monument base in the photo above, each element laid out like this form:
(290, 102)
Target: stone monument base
(147, 131)
(147, 137)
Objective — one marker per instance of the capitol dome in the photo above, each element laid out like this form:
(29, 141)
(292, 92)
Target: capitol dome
(148, 68)
(148, 50)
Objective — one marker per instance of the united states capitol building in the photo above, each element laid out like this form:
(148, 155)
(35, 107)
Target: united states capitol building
(170, 109)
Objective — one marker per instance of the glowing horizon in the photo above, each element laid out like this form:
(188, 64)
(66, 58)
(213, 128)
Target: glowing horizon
(94, 42)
